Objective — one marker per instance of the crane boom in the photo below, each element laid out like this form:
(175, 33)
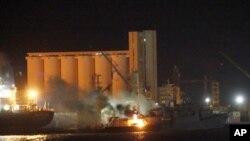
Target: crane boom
(236, 65)
(115, 68)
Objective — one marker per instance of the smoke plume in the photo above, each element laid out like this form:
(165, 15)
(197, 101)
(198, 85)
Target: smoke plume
(94, 108)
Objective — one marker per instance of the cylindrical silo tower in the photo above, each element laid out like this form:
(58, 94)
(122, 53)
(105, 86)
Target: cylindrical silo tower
(35, 73)
(118, 82)
(102, 73)
(69, 71)
(85, 73)
(52, 69)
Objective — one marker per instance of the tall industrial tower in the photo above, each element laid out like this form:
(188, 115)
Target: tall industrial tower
(143, 61)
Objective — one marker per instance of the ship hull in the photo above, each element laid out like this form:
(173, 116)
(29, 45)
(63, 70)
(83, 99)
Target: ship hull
(205, 119)
(152, 124)
(25, 119)
(133, 128)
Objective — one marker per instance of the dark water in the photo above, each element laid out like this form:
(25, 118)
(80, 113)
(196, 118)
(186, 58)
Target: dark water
(196, 135)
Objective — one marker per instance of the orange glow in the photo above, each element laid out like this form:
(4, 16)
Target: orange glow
(135, 121)
(32, 94)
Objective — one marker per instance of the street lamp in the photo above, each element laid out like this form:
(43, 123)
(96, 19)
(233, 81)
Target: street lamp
(239, 100)
(207, 101)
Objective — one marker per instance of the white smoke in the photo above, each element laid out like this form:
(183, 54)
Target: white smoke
(94, 108)
(124, 105)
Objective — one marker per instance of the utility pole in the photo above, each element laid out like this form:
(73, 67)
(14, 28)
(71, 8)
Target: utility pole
(205, 86)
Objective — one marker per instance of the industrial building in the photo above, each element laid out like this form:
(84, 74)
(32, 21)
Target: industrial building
(112, 71)
(143, 60)
(170, 95)
(86, 70)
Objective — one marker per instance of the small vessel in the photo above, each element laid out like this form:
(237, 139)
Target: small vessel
(198, 119)
(139, 122)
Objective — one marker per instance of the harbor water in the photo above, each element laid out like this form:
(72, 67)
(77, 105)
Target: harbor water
(171, 135)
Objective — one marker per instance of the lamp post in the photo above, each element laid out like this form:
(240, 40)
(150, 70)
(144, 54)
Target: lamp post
(239, 100)
(207, 101)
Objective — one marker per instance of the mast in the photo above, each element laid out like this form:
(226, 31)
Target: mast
(139, 88)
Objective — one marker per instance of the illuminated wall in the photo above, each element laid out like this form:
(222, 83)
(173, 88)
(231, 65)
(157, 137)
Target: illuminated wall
(103, 73)
(35, 70)
(92, 70)
(69, 70)
(143, 61)
(52, 69)
(86, 73)
(86, 70)
(118, 84)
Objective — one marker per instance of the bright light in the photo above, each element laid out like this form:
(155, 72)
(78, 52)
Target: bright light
(6, 107)
(98, 53)
(207, 100)
(32, 94)
(16, 107)
(239, 99)
(6, 93)
(135, 121)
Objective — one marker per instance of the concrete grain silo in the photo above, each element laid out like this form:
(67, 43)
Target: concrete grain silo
(118, 82)
(85, 73)
(102, 73)
(52, 69)
(143, 60)
(69, 70)
(35, 73)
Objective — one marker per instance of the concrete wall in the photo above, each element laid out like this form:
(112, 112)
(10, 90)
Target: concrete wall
(35, 73)
(118, 84)
(143, 60)
(69, 70)
(103, 72)
(52, 69)
(85, 73)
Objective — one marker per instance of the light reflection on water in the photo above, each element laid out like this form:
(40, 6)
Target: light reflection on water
(214, 134)
(66, 137)
(25, 137)
(139, 135)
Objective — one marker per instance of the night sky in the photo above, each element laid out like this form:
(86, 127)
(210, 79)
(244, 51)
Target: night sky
(190, 34)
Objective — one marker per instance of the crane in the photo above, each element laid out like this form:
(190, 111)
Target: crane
(115, 68)
(236, 65)
(124, 79)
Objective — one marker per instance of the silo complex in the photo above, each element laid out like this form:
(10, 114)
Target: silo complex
(92, 70)
(103, 74)
(118, 84)
(86, 70)
(35, 70)
(52, 69)
(85, 73)
(69, 70)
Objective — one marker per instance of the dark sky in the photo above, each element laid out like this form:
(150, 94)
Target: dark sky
(190, 33)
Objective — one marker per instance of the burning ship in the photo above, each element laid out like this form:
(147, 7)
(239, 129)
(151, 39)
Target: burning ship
(135, 121)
